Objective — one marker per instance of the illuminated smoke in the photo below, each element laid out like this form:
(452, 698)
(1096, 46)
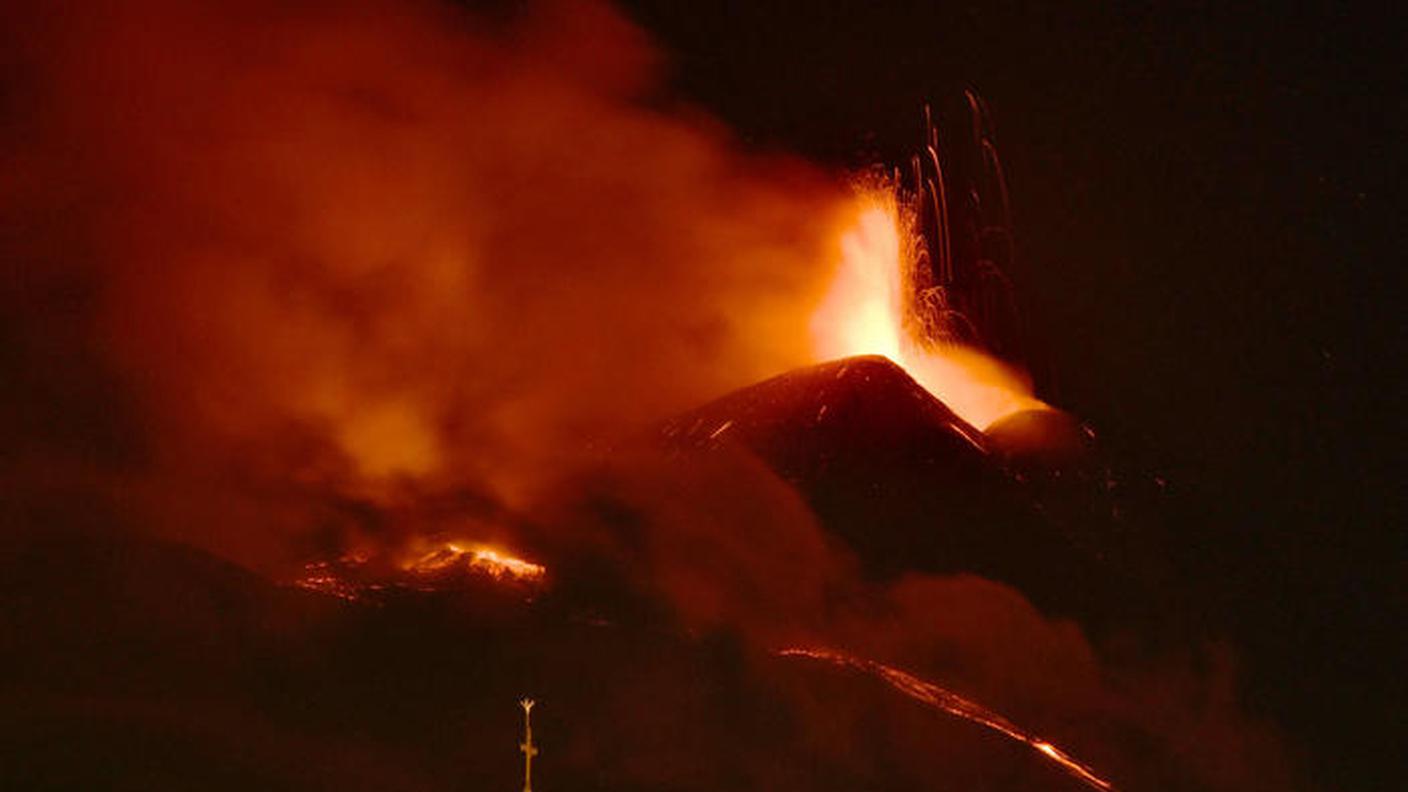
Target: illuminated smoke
(308, 268)
(328, 263)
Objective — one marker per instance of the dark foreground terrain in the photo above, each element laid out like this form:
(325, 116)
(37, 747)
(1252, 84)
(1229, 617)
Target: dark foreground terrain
(132, 663)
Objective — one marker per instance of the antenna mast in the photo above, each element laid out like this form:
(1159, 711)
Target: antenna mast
(527, 747)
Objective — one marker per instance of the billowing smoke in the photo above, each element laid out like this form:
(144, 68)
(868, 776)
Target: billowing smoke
(731, 547)
(317, 257)
(282, 276)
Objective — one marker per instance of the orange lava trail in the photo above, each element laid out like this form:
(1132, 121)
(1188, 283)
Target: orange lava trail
(954, 704)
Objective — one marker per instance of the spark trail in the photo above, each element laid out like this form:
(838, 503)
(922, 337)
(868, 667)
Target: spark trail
(947, 701)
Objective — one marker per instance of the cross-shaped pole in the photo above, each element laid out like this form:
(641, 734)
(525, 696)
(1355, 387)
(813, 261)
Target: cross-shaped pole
(527, 747)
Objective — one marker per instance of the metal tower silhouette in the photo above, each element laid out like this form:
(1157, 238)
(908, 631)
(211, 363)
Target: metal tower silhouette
(527, 747)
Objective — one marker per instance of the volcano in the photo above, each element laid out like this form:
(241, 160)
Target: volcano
(910, 486)
(137, 663)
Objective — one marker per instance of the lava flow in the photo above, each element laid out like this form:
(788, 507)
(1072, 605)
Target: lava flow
(954, 704)
(479, 558)
(442, 566)
(873, 307)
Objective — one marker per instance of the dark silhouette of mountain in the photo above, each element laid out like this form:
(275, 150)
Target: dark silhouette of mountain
(910, 486)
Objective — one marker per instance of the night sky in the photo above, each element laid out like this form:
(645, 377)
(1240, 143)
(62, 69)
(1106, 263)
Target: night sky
(1207, 203)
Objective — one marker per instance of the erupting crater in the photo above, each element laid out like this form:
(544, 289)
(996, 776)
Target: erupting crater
(876, 305)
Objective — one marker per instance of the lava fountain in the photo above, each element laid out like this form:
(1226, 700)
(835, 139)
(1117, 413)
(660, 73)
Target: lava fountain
(873, 306)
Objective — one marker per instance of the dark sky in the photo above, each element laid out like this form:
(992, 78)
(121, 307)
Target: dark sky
(1207, 202)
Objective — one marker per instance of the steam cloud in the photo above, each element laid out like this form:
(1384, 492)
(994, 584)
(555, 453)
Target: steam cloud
(281, 274)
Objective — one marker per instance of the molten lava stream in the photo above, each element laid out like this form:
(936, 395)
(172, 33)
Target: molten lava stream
(954, 704)
(871, 308)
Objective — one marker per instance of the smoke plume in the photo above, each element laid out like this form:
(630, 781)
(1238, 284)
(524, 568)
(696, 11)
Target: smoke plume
(310, 256)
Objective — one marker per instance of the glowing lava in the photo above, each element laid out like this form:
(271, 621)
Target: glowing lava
(496, 564)
(954, 704)
(872, 307)
(442, 566)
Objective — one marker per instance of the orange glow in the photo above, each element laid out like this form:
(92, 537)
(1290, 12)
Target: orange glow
(869, 310)
(478, 558)
(425, 567)
(947, 701)
(499, 565)
(320, 577)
